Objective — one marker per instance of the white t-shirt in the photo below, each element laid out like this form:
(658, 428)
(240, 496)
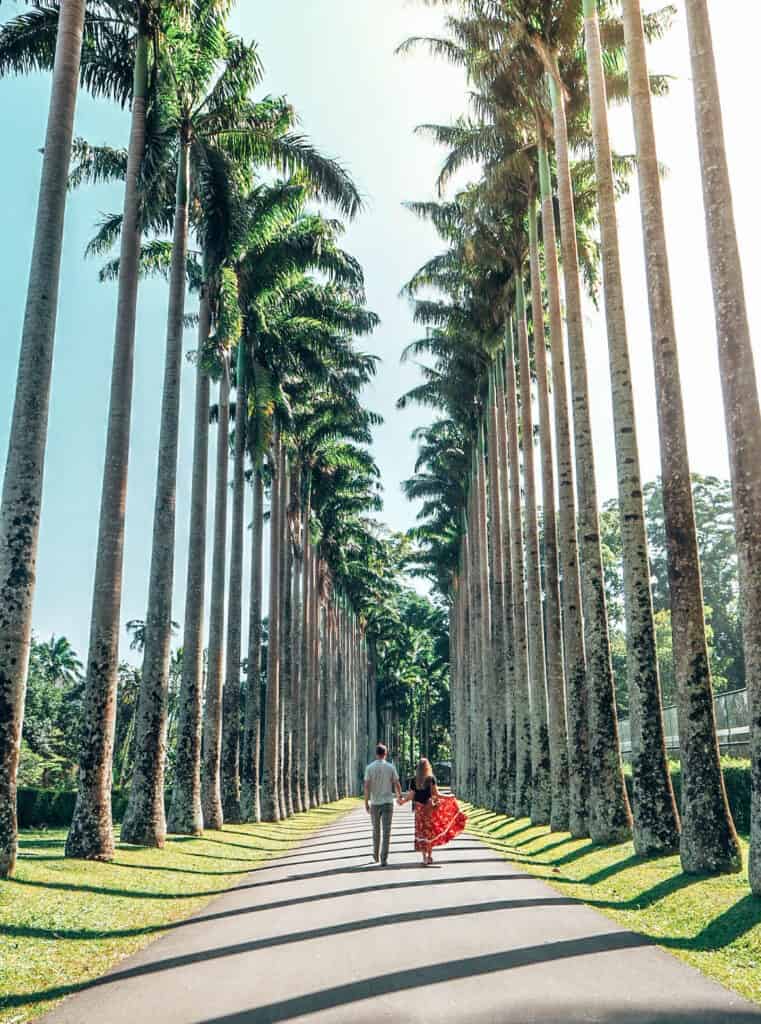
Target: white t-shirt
(380, 777)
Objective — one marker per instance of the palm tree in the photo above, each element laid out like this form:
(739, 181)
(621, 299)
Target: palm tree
(656, 821)
(115, 62)
(230, 757)
(573, 622)
(212, 727)
(541, 792)
(708, 840)
(738, 377)
(217, 226)
(556, 710)
(501, 606)
(610, 817)
(208, 112)
(186, 812)
(523, 765)
(270, 796)
(22, 483)
(252, 730)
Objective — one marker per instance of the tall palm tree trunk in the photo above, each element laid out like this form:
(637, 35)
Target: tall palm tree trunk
(322, 662)
(145, 818)
(297, 701)
(211, 791)
(656, 821)
(287, 647)
(230, 755)
(305, 696)
(270, 798)
(476, 668)
(507, 766)
(738, 378)
(577, 701)
(541, 788)
(22, 484)
(91, 831)
(556, 708)
(487, 668)
(316, 752)
(498, 697)
(709, 842)
(609, 814)
(252, 731)
(185, 812)
(523, 781)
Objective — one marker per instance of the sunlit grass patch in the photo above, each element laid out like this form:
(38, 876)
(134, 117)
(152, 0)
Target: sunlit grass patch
(64, 922)
(713, 923)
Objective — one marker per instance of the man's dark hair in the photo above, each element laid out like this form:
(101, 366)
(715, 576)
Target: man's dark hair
(380, 750)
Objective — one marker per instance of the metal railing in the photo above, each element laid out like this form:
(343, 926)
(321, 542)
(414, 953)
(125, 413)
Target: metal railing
(732, 723)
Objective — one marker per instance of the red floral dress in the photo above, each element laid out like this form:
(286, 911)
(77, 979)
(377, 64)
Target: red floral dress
(436, 825)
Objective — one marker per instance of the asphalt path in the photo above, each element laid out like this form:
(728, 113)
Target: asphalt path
(323, 934)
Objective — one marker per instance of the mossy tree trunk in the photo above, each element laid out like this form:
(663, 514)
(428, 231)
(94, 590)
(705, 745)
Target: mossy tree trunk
(91, 831)
(185, 812)
(609, 814)
(709, 842)
(297, 698)
(541, 776)
(523, 774)
(22, 483)
(498, 698)
(656, 821)
(230, 755)
(573, 620)
(556, 708)
(507, 767)
(211, 792)
(145, 818)
(738, 378)
(252, 731)
(270, 793)
(487, 667)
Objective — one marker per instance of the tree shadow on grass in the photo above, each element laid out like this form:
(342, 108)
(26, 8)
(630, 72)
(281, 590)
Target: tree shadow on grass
(736, 921)
(649, 897)
(532, 839)
(36, 844)
(131, 865)
(227, 857)
(552, 846)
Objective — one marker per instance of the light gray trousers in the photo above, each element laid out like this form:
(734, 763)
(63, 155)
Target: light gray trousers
(381, 815)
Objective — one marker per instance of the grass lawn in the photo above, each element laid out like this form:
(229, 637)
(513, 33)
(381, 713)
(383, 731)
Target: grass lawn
(712, 923)
(63, 922)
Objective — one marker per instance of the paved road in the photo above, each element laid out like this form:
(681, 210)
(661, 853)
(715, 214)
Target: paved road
(323, 935)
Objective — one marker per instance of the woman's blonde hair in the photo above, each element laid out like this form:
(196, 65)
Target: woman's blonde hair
(423, 772)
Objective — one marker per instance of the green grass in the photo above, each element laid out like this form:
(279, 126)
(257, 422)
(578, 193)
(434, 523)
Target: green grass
(712, 923)
(64, 922)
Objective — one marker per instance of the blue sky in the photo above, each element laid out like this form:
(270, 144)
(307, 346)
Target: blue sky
(359, 102)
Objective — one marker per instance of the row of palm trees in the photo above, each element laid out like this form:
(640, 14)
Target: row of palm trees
(278, 343)
(533, 704)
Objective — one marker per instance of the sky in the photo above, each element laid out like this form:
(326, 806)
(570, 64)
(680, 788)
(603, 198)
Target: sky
(359, 102)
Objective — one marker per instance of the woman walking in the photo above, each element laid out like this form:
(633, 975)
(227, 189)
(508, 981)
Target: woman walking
(438, 819)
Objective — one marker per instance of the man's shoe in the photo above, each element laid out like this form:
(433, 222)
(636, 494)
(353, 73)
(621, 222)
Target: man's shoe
(384, 863)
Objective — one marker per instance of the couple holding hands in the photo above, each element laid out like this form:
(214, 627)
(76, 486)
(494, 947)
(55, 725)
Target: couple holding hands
(438, 818)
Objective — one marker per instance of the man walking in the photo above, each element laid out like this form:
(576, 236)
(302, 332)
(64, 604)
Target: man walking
(381, 780)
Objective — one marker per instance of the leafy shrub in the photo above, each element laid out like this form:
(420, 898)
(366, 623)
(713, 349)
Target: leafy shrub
(50, 808)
